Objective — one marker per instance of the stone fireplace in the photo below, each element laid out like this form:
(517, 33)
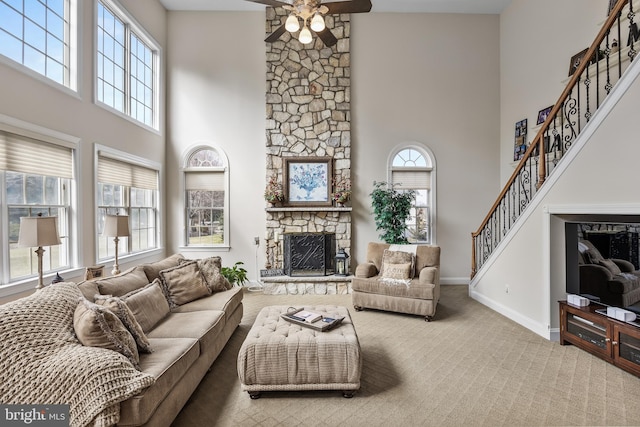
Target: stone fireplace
(309, 254)
(308, 103)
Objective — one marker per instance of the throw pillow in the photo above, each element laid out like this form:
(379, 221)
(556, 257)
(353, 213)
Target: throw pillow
(610, 265)
(397, 271)
(397, 257)
(152, 270)
(128, 319)
(97, 326)
(183, 283)
(211, 272)
(123, 283)
(148, 305)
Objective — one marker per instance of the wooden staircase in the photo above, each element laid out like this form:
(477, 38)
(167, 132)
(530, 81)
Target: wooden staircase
(597, 71)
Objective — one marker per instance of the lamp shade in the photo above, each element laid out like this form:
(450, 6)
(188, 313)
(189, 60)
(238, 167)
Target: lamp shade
(116, 226)
(38, 231)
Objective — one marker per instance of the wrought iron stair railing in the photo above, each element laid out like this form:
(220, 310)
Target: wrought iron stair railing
(590, 83)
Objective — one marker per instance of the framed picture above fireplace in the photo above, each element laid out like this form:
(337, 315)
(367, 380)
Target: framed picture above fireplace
(307, 181)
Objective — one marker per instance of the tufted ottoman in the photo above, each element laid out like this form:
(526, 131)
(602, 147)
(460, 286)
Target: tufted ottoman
(278, 355)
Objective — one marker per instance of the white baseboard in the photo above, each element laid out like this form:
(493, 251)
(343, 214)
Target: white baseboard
(454, 281)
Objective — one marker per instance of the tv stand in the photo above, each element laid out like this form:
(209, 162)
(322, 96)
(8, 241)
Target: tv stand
(612, 340)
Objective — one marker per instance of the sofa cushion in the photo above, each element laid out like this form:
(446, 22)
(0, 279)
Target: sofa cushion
(128, 319)
(226, 301)
(123, 283)
(183, 283)
(89, 289)
(416, 289)
(97, 326)
(148, 305)
(152, 270)
(211, 272)
(171, 360)
(610, 265)
(205, 326)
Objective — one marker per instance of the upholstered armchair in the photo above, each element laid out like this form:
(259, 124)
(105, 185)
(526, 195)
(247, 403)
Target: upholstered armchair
(398, 278)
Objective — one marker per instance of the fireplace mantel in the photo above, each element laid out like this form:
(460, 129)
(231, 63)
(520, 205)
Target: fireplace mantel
(309, 209)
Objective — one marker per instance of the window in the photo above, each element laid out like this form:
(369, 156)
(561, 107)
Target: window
(28, 193)
(126, 188)
(413, 168)
(38, 35)
(206, 197)
(126, 70)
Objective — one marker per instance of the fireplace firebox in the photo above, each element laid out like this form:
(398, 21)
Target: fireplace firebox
(309, 254)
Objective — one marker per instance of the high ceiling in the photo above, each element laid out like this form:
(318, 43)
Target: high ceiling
(428, 6)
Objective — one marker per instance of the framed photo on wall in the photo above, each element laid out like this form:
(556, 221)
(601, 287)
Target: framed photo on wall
(543, 114)
(307, 180)
(575, 61)
(520, 144)
(612, 4)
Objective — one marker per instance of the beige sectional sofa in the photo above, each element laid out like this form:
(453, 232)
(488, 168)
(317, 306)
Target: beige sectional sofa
(185, 327)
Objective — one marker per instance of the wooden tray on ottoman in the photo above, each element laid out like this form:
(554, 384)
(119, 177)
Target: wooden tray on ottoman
(279, 355)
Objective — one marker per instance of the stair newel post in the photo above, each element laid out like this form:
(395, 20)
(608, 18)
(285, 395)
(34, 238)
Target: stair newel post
(542, 165)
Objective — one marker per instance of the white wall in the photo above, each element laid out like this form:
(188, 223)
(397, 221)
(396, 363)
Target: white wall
(433, 79)
(537, 40)
(30, 100)
(216, 95)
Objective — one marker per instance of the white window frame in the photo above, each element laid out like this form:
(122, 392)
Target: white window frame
(226, 211)
(104, 151)
(71, 54)
(22, 128)
(431, 169)
(131, 26)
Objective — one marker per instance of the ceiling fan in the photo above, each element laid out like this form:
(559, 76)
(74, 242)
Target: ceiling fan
(311, 13)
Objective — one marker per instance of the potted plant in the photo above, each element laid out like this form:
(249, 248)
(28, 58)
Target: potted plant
(236, 274)
(391, 208)
(273, 193)
(341, 191)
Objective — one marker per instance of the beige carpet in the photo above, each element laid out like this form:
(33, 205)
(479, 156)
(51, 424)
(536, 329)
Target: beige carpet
(470, 366)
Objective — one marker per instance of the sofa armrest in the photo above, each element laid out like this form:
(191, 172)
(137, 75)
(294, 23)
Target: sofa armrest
(429, 275)
(366, 270)
(624, 265)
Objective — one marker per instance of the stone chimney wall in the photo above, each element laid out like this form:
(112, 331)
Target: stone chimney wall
(308, 111)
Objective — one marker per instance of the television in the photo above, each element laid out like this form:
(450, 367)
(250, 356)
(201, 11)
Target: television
(599, 281)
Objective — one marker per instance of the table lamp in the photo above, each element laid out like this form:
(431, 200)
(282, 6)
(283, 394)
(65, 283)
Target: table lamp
(38, 231)
(116, 226)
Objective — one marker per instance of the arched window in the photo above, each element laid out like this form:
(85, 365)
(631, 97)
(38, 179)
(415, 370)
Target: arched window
(413, 168)
(206, 187)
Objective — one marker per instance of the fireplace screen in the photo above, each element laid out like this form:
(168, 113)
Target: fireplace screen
(309, 254)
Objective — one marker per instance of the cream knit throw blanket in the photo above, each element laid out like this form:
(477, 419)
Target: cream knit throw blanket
(42, 362)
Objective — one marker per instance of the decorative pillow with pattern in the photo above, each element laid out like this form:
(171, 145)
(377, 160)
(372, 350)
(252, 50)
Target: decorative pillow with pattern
(97, 326)
(183, 283)
(128, 319)
(148, 305)
(397, 257)
(211, 272)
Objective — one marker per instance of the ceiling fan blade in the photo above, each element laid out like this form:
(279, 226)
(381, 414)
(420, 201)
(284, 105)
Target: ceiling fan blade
(327, 37)
(274, 3)
(353, 6)
(276, 34)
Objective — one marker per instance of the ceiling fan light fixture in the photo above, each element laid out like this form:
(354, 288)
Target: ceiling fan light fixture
(291, 24)
(317, 23)
(305, 36)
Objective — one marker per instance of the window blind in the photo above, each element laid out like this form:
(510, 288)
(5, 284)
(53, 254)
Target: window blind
(210, 181)
(26, 155)
(408, 179)
(114, 171)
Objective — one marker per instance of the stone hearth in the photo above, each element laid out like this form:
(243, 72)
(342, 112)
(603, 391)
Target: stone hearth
(325, 285)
